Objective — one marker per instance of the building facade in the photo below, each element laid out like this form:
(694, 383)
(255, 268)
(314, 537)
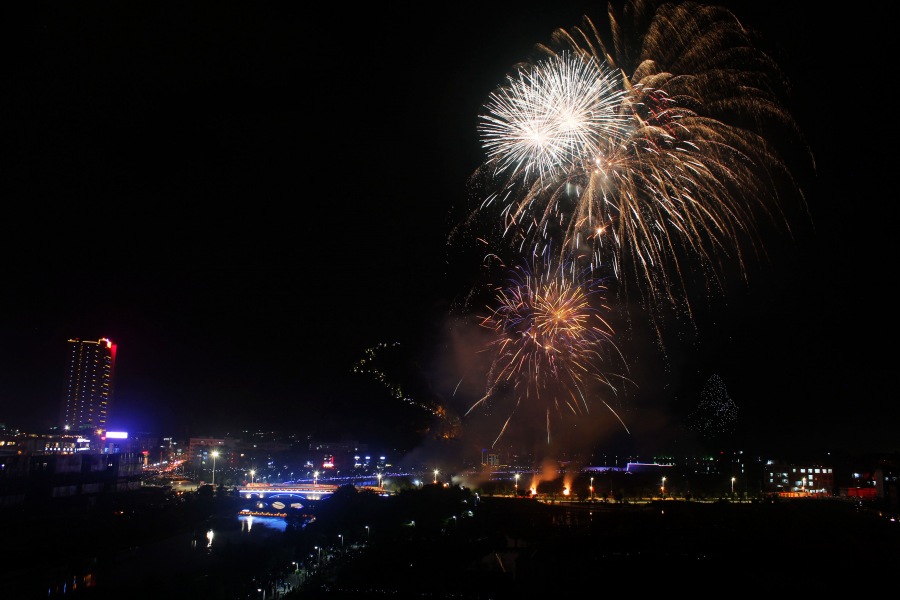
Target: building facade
(88, 385)
(809, 478)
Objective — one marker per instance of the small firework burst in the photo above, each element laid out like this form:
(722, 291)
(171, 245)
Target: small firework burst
(551, 335)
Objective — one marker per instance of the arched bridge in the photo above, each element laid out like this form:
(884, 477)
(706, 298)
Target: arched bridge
(305, 491)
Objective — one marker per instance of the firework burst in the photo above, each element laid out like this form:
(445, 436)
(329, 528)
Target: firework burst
(637, 161)
(551, 335)
(549, 117)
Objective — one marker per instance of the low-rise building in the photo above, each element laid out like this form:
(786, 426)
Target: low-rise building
(810, 478)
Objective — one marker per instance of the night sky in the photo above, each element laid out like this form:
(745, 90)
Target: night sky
(245, 200)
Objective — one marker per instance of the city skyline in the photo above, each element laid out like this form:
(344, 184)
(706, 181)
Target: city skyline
(316, 300)
(231, 315)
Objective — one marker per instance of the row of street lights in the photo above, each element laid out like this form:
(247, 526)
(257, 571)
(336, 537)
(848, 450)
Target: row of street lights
(591, 488)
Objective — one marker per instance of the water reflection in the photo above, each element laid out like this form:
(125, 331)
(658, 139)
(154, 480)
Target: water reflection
(248, 521)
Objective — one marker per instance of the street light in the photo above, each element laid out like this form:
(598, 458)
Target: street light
(367, 535)
(214, 455)
(664, 487)
(732, 486)
(252, 473)
(435, 475)
(316, 479)
(517, 484)
(379, 479)
(342, 543)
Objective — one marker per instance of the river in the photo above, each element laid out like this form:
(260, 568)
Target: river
(185, 552)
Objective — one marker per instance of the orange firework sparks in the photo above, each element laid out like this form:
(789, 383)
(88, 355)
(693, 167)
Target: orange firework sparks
(650, 145)
(551, 336)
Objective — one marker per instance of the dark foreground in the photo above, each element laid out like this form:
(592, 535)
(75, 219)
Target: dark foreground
(506, 547)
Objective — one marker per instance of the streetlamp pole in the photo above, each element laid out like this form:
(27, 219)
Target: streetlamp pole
(664, 488)
(342, 544)
(435, 476)
(732, 487)
(367, 536)
(517, 484)
(214, 455)
(316, 479)
(592, 488)
(252, 473)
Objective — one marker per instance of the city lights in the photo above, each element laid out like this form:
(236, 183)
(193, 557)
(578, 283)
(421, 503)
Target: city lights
(570, 230)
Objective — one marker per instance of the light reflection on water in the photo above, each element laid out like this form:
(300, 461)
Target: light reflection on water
(248, 521)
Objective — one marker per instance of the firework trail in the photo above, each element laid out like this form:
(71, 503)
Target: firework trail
(383, 358)
(551, 335)
(638, 161)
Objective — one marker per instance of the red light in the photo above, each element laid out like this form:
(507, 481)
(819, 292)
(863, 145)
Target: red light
(103, 437)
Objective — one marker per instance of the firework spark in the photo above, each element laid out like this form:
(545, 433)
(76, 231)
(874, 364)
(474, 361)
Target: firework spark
(635, 170)
(550, 336)
(551, 116)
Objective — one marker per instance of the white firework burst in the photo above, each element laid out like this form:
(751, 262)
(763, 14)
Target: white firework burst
(558, 114)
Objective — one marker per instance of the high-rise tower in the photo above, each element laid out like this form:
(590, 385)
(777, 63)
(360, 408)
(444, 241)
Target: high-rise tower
(88, 392)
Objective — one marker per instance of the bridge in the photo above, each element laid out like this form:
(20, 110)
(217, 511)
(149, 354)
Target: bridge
(305, 491)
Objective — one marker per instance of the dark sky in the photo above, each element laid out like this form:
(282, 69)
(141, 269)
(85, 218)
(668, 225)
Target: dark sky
(245, 199)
